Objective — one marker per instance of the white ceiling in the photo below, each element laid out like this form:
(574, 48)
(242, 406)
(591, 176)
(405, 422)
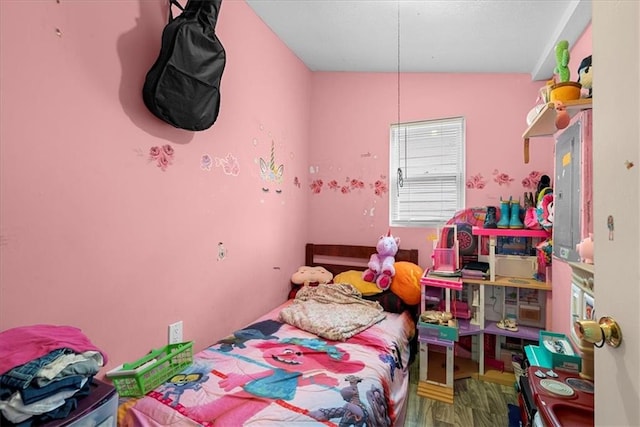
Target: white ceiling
(467, 36)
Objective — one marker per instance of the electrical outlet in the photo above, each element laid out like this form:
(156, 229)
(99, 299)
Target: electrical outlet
(175, 332)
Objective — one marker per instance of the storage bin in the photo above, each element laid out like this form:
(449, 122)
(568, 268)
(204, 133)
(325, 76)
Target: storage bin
(432, 330)
(568, 358)
(516, 266)
(140, 377)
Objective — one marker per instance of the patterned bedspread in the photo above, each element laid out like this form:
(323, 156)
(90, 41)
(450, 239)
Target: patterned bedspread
(273, 374)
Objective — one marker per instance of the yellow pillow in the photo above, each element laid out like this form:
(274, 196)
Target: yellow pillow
(354, 278)
(406, 282)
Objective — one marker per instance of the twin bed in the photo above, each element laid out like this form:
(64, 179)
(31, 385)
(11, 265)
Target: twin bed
(271, 373)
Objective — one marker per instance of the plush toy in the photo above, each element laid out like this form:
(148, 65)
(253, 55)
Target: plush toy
(381, 264)
(406, 282)
(308, 276)
(562, 61)
(585, 75)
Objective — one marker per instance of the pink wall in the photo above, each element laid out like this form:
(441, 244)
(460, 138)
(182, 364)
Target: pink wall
(561, 271)
(350, 119)
(93, 233)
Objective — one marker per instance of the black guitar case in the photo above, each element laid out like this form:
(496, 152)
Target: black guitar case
(182, 87)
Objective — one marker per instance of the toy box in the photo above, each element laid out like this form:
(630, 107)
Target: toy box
(511, 245)
(516, 266)
(554, 350)
(441, 332)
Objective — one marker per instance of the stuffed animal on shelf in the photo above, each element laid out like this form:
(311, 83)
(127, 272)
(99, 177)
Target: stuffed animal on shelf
(381, 264)
(585, 75)
(562, 117)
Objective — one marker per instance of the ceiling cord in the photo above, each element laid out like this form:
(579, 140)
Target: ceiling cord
(400, 174)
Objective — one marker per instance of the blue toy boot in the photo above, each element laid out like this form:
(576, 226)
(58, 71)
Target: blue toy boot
(514, 220)
(504, 213)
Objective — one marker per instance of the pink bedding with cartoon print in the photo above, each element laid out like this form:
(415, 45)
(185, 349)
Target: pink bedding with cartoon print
(273, 374)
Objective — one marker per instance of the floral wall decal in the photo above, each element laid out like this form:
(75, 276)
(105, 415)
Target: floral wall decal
(316, 186)
(502, 178)
(229, 164)
(531, 181)
(476, 182)
(380, 188)
(206, 162)
(162, 155)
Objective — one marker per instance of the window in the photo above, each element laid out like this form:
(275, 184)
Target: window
(426, 184)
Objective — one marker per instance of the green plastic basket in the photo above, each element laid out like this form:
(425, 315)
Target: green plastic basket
(140, 377)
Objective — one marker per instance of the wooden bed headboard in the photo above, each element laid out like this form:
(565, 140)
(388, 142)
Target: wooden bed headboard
(339, 258)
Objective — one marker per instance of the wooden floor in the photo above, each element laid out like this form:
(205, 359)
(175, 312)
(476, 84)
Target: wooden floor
(476, 404)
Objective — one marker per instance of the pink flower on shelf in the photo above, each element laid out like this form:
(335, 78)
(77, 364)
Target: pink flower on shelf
(345, 190)
(316, 186)
(333, 184)
(379, 188)
(503, 179)
(476, 182)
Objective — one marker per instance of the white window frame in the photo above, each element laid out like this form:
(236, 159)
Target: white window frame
(431, 156)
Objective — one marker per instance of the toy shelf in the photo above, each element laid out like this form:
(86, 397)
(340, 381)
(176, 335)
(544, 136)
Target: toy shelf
(512, 232)
(466, 328)
(515, 282)
(524, 332)
(545, 122)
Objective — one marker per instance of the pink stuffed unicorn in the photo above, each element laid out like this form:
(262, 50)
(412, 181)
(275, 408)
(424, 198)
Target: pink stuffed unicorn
(381, 269)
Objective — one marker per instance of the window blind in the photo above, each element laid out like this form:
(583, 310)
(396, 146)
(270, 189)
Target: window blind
(426, 171)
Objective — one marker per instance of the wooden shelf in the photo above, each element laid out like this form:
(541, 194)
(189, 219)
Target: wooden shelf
(514, 282)
(513, 232)
(525, 332)
(545, 122)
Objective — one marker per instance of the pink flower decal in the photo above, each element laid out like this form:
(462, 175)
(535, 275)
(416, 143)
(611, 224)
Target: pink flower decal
(531, 181)
(333, 185)
(168, 150)
(154, 152)
(356, 183)
(345, 190)
(229, 165)
(476, 182)
(162, 155)
(379, 188)
(316, 186)
(503, 179)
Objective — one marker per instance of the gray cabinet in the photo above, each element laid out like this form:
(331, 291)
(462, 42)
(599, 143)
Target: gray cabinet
(572, 187)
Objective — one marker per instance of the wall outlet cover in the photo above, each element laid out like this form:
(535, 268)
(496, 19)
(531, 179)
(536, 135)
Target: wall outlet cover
(175, 332)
